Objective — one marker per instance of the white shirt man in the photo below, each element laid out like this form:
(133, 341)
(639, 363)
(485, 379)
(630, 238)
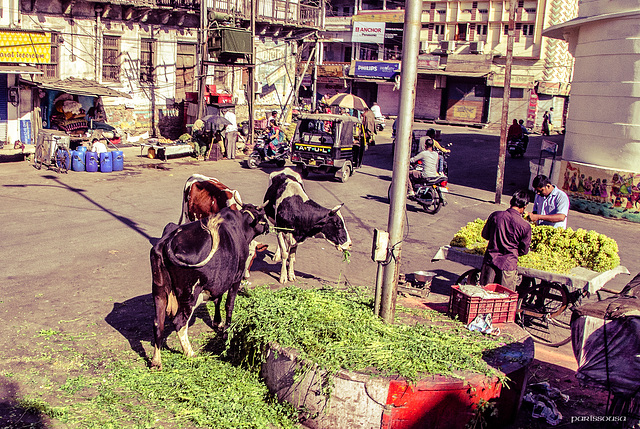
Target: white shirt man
(98, 147)
(376, 110)
(231, 117)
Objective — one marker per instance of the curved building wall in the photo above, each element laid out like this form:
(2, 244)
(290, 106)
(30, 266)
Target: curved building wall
(603, 125)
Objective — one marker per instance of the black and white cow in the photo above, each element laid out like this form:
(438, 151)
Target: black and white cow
(296, 218)
(198, 261)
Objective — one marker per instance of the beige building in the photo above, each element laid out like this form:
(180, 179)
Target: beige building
(462, 52)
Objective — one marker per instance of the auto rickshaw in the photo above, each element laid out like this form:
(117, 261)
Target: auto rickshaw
(326, 143)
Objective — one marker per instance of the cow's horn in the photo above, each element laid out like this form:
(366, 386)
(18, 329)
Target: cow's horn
(336, 208)
(260, 207)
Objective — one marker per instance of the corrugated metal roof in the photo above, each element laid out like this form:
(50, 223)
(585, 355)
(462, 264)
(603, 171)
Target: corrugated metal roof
(77, 86)
(7, 69)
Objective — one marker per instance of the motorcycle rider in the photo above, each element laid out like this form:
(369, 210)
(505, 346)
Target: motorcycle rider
(515, 131)
(430, 162)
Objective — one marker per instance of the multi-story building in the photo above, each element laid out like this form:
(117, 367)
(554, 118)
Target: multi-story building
(144, 53)
(461, 66)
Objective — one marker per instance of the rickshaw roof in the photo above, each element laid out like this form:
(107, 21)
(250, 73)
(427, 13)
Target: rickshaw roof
(330, 117)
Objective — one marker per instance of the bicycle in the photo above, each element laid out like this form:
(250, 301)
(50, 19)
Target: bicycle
(542, 307)
(53, 155)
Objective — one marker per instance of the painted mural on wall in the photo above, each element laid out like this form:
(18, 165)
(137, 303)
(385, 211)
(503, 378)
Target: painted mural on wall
(603, 191)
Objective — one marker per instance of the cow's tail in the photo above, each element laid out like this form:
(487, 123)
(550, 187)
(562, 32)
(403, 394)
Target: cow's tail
(212, 227)
(162, 282)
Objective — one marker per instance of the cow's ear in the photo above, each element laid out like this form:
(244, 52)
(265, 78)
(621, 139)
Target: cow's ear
(335, 209)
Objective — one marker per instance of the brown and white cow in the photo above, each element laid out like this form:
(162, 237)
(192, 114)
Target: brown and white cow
(204, 196)
(297, 217)
(198, 261)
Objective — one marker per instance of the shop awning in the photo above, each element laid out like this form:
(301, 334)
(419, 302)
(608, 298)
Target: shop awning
(85, 87)
(453, 73)
(19, 70)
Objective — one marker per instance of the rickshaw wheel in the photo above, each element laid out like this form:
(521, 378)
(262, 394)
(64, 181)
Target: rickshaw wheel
(345, 172)
(303, 171)
(281, 163)
(38, 157)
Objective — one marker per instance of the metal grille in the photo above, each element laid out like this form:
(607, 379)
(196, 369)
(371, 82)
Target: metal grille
(146, 60)
(51, 70)
(111, 59)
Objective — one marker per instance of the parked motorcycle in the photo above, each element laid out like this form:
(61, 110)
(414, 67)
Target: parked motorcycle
(263, 154)
(380, 123)
(517, 146)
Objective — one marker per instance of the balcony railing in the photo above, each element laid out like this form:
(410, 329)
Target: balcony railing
(284, 11)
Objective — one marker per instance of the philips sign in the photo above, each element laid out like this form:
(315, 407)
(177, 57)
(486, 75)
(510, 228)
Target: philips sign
(368, 32)
(384, 70)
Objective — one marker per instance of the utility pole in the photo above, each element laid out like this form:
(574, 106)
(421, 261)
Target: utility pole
(408, 81)
(505, 102)
(314, 77)
(202, 67)
(252, 74)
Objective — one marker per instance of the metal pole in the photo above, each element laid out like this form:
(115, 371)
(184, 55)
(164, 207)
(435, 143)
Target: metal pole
(314, 81)
(202, 69)
(408, 80)
(505, 102)
(252, 75)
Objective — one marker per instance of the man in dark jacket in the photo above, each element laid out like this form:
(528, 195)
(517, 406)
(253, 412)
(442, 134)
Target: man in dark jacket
(509, 236)
(369, 123)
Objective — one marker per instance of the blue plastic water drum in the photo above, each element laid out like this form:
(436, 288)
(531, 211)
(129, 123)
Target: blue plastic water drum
(82, 149)
(64, 158)
(91, 159)
(105, 162)
(117, 160)
(77, 160)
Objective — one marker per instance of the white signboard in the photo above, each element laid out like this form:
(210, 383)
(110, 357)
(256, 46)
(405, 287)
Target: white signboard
(368, 32)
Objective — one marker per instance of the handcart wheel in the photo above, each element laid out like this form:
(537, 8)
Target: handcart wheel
(38, 157)
(543, 313)
(63, 156)
(471, 277)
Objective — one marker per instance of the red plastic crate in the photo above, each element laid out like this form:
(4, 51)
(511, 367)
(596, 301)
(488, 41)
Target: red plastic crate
(468, 307)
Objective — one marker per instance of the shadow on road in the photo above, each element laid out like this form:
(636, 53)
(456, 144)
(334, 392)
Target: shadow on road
(81, 192)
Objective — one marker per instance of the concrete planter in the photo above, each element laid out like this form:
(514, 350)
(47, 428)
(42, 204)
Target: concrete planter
(363, 401)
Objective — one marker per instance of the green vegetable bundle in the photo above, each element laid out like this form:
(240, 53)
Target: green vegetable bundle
(552, 249)
(338, 330)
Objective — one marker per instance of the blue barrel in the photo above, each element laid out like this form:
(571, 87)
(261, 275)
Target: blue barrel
(63, 158)
(77, 160)
(117, 160)
(91, 162)
(82, 149)
(105, 162)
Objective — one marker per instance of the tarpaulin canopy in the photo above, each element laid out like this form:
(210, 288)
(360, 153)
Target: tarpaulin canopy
(606, 341)
(78, 86)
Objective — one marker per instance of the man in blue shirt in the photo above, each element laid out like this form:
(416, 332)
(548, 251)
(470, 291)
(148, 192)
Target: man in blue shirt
(551, 205)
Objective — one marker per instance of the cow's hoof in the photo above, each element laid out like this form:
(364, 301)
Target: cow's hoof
(157, 366)
(292, 278)
(283, 280)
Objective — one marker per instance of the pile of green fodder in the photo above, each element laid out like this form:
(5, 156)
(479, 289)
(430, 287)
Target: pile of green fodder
(552, 249)
(337, 330)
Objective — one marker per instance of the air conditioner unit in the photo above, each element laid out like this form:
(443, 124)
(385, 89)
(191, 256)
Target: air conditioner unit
(447, 45)
(476, 47)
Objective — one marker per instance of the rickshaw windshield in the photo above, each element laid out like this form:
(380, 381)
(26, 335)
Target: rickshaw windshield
(317, 131)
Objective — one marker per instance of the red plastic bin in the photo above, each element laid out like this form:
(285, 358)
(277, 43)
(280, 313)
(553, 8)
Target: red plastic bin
(468, 307)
